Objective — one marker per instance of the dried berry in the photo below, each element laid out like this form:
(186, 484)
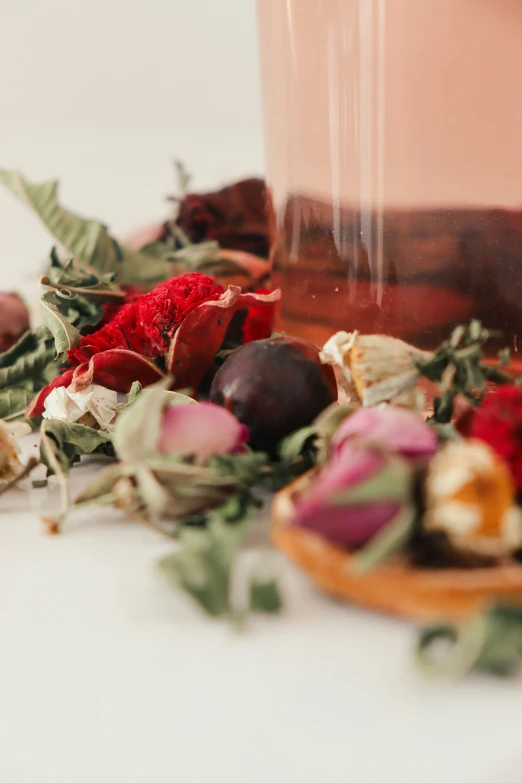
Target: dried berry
(14, 319)
(274, 387)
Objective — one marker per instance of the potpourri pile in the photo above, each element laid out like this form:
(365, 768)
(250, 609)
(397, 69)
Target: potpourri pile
(160, 355)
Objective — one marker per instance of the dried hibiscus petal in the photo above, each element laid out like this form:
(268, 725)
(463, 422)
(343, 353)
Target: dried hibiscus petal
(147, 324)
(202, 332)
(259, 321)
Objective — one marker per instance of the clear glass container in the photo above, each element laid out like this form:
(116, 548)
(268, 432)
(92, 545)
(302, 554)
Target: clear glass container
(394, 152)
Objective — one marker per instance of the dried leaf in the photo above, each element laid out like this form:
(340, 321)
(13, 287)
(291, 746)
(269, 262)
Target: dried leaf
(265, 596)
(26, 361)
(388, 542)
(201, 334)
(65, 335)
(87, 240)
(491, 642)
(14, 401)
(68, 442)
(203, 566)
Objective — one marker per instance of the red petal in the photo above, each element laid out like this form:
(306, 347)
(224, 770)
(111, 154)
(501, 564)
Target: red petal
(202, 332)
(116, 369)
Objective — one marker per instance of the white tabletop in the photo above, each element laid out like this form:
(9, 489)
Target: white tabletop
(106, 673)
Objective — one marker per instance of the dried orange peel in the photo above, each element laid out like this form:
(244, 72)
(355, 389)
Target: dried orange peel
(396, 587)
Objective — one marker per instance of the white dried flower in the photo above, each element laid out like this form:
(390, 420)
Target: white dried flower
(70, 406)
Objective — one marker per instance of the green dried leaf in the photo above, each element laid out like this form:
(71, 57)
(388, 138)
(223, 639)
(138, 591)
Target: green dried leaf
(491, 642)
(391, 483)
(65, 335)
(14, 401)
(135, 391)
(100, 485)
(28, 342)
(265, 596)
(390, 540)
(26, 366)
(183, 176)
(87, 240)
(40, 483)
(292, 446)
(69, 442)
(203, 566)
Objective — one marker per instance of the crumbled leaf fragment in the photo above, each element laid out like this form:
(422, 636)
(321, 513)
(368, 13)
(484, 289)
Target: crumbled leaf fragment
(489, 642)
(265, 596)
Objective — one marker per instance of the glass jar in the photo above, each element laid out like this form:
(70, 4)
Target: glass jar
(394, 148)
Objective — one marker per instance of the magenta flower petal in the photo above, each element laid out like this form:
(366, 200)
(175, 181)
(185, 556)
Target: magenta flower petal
(395, 429)
(201, 430)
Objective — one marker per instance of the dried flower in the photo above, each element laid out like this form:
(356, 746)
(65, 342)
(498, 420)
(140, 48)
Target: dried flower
(235, 216)
(377, 367)
(498, 422)
(116, 369)
(201, 431)
(394, 429)
(193, 346)
(94, 405)
(470, 498)
(359, 492)
(10, 465)
(14, 319)
(147, 324)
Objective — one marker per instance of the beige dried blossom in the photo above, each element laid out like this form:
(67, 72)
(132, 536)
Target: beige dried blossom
(470, 496)
(377, 368)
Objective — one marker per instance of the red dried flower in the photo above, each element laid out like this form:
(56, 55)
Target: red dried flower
(235, 216)
(147, 324)
(259, 321)
(498, 422)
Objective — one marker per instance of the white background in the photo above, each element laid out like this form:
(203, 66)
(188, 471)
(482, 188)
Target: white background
(103, 94)
(105, 673)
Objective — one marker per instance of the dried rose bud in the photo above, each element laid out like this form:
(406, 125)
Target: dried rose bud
(359, 492)
(394, 429)
(470, 498)
(378, 368)
(201, 431)
(14, 319)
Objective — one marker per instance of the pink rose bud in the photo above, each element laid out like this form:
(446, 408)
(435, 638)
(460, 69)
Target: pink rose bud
(360, 491)
(394, 429)
(201, 430)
